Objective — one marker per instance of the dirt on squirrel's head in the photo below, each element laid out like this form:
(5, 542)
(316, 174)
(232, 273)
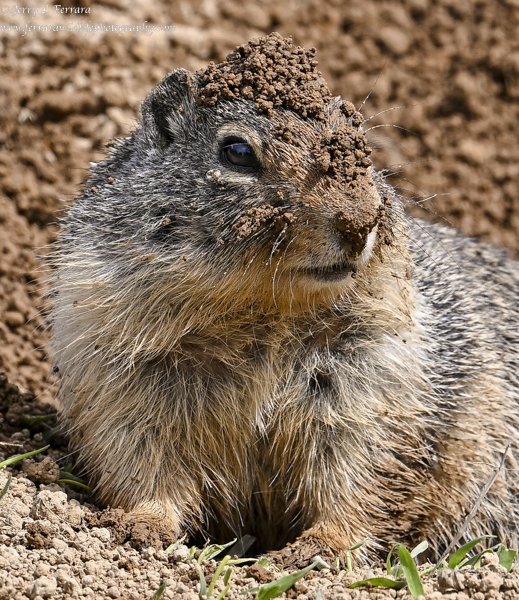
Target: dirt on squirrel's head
(247, 180)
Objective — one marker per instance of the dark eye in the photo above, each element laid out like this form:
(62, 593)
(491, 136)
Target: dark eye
(240, 154)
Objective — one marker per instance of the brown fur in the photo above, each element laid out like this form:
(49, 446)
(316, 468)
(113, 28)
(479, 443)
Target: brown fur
(212, 380)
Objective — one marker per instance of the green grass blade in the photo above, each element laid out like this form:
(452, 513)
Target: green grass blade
(396, 570)
(223, 592)
(227, 576)
(64, 474)
(6, 486)
(217, 574)
(78, 484)
(253, 590)
(411, 572)
(460, 553)
(320, 563)
(357, 546)
(428, 570)
(506, 558)
(388, 560)
(226, 584)
(48, 435)
(175, 545)
(213, 550)
(241, 546)
(422, 547)
(203, 586)
(38, 419)
(278, 586)
(349, 564)
(160, 591)
(379, 582)
(474, 561)
(19, 457)
(242, 561)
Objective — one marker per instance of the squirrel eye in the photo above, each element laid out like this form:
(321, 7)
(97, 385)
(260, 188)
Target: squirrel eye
(240, 154)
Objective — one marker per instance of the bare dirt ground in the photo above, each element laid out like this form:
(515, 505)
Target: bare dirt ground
(446, 71)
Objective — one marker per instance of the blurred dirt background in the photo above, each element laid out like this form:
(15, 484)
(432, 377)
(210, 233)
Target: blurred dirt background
(444, 72)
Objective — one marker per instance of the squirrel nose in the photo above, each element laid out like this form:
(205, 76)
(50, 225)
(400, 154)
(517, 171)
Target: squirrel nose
(353, 232)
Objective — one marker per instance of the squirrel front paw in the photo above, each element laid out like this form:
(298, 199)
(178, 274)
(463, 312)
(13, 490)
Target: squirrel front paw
(330, 547)
(138, 528)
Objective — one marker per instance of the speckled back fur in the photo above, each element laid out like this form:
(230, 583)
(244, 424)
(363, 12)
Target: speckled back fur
(216, 377)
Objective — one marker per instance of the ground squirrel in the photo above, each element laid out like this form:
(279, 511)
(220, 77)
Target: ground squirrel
(254, 338)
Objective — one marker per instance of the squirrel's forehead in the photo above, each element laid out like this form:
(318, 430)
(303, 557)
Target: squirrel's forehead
(241, 117)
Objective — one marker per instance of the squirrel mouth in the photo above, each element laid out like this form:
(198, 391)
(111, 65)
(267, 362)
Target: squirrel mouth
(334, 272)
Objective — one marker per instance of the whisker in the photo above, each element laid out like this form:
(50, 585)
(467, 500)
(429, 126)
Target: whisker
(282, 257)
(430, 210)
(372, 87)
(390, 125)
(422, 248)
(386, 111)
(406, 164)
(393, 141)
(276, 244)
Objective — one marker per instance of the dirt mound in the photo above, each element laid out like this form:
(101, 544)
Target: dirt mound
(274, 73)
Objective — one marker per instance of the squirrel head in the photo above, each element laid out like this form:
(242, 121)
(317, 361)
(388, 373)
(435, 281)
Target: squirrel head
(248, 177)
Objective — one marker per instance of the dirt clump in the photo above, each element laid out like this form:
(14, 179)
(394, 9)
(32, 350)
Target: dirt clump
(260, 574)
(46, 471)
(274, 73)
(126, 529)
(258, 217)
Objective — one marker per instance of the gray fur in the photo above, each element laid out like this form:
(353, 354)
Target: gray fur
(208, 384)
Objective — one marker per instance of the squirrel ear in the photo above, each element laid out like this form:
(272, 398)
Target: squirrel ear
(170, 105)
